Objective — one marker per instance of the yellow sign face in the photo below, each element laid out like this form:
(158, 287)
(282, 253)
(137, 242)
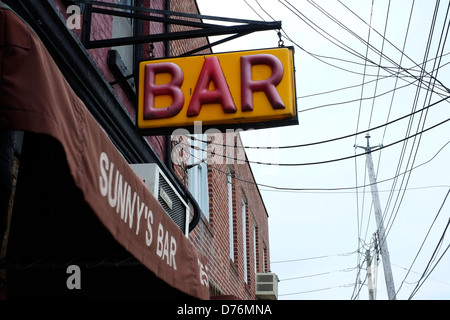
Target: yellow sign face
(245, 89)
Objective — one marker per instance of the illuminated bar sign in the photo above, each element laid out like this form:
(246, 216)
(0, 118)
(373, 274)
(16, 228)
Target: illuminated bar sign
(246, 89)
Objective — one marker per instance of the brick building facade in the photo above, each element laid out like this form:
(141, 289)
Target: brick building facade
(234, 235)
(232, 230)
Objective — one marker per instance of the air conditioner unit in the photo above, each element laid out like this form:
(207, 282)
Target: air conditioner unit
(163, 190)
(267, 286)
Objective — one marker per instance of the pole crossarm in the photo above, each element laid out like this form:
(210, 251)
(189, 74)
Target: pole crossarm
(195, 22)
(368, 148)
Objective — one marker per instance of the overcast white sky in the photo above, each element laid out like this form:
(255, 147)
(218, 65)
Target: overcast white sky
(317, 236)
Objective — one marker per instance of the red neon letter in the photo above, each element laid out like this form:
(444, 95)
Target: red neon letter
(211, 71)
(172, 89)
(268, 86)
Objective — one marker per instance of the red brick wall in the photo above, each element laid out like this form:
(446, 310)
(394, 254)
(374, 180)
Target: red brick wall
(212, 237)
(179, 47)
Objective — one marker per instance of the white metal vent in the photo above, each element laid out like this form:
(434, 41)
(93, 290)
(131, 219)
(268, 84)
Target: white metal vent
(267, 286)
(165, 193)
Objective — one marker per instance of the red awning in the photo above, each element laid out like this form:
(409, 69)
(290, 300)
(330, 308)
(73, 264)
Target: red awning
(35, 97)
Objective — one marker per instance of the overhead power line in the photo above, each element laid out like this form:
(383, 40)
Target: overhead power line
(316, 162)
(425, 275)
(423, 243)
(346, 254)
(326, 189)
(319, 274)
(429, 92)
(394, 46)
(396, 76)
(316, 290)
(323, 141)
(338, 43)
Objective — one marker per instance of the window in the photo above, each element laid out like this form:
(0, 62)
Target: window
(230, 212)
(255, 247)
(265, 269)
(198, 172)
(126, 2)
(123, 27)
(244, 241)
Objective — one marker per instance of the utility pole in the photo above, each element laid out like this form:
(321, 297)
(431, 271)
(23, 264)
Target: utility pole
(369, 275)
(379, 219)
